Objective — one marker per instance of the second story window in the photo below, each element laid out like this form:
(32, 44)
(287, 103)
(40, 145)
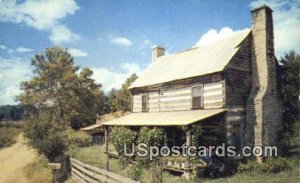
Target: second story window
(197, 97)
(145, 103)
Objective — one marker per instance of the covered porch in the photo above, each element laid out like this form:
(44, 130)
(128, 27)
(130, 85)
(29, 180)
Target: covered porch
(97, 133)
(178, 127)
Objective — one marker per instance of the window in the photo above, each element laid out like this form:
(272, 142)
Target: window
(144, 103)
(197, 97)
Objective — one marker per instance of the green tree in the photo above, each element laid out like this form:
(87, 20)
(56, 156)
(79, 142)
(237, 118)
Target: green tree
(57, 89)
(290, 92)
(11, 112)
(111, 96)
(59, 96)
(123, 98)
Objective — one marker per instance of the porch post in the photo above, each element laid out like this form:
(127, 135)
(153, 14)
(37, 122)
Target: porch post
(106, 147)
(188, 137)
(188, 143)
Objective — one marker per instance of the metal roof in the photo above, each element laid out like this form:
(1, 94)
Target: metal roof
(176, 118)
(92, 127)
(201, 60)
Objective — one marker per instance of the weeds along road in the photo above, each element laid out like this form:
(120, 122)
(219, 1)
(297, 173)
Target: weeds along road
(12, 161)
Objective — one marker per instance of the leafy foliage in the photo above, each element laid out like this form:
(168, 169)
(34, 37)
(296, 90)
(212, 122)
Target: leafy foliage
(197, 137)
(151, 136)
(121, 136)
(290, 89)
(111, 96)
(58, 90)
(57, 97)
(121, 99)
(77, 138)
(46, 137)
(272, 165)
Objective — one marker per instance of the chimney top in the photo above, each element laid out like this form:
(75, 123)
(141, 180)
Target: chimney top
(157, 51)
(156, 46)
(262, 7)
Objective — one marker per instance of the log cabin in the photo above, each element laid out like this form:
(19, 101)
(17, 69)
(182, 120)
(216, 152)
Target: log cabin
(229, 85)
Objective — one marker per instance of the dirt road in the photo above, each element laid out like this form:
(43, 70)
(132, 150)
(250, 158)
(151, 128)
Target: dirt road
(13, 159)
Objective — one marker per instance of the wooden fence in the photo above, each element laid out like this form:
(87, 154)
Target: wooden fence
(85, 173)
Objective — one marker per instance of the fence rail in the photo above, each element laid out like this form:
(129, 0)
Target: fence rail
(84, 173)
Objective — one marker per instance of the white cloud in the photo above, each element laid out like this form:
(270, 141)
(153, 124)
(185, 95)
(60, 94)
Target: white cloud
(3, 47)
(146, 44)
(213, 35)
(39, 14)
(75, 52)
(114, 79)
(286, 19)
(13, 71)
(61, 33)
(121, 41)
(23, 50)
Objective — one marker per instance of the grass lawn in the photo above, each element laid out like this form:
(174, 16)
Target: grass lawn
(292, 176)
(94, 155)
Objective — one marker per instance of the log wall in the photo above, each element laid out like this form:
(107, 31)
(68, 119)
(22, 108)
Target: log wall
(178, 99)
(238, 79)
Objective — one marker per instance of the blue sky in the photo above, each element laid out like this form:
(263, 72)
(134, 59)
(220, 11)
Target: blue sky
(115, 38)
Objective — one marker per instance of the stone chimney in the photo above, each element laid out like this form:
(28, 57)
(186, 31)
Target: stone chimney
(157, 51)
(264, 109)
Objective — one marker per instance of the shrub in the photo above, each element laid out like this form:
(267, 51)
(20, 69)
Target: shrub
(252, 166)
(121, 136)
(8, 136)
(78, 138)
(149, 136)
(152, 137)
(46, 137)
(272, 165)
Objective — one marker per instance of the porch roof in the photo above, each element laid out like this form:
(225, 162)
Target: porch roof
(92, 127)
(176, 118)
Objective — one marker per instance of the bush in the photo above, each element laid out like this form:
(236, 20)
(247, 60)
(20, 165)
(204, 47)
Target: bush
(121, 136)
(8, 136)
(149, 136)
(78, 138)
(152, 137)
(272, 165)
(46, 137)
